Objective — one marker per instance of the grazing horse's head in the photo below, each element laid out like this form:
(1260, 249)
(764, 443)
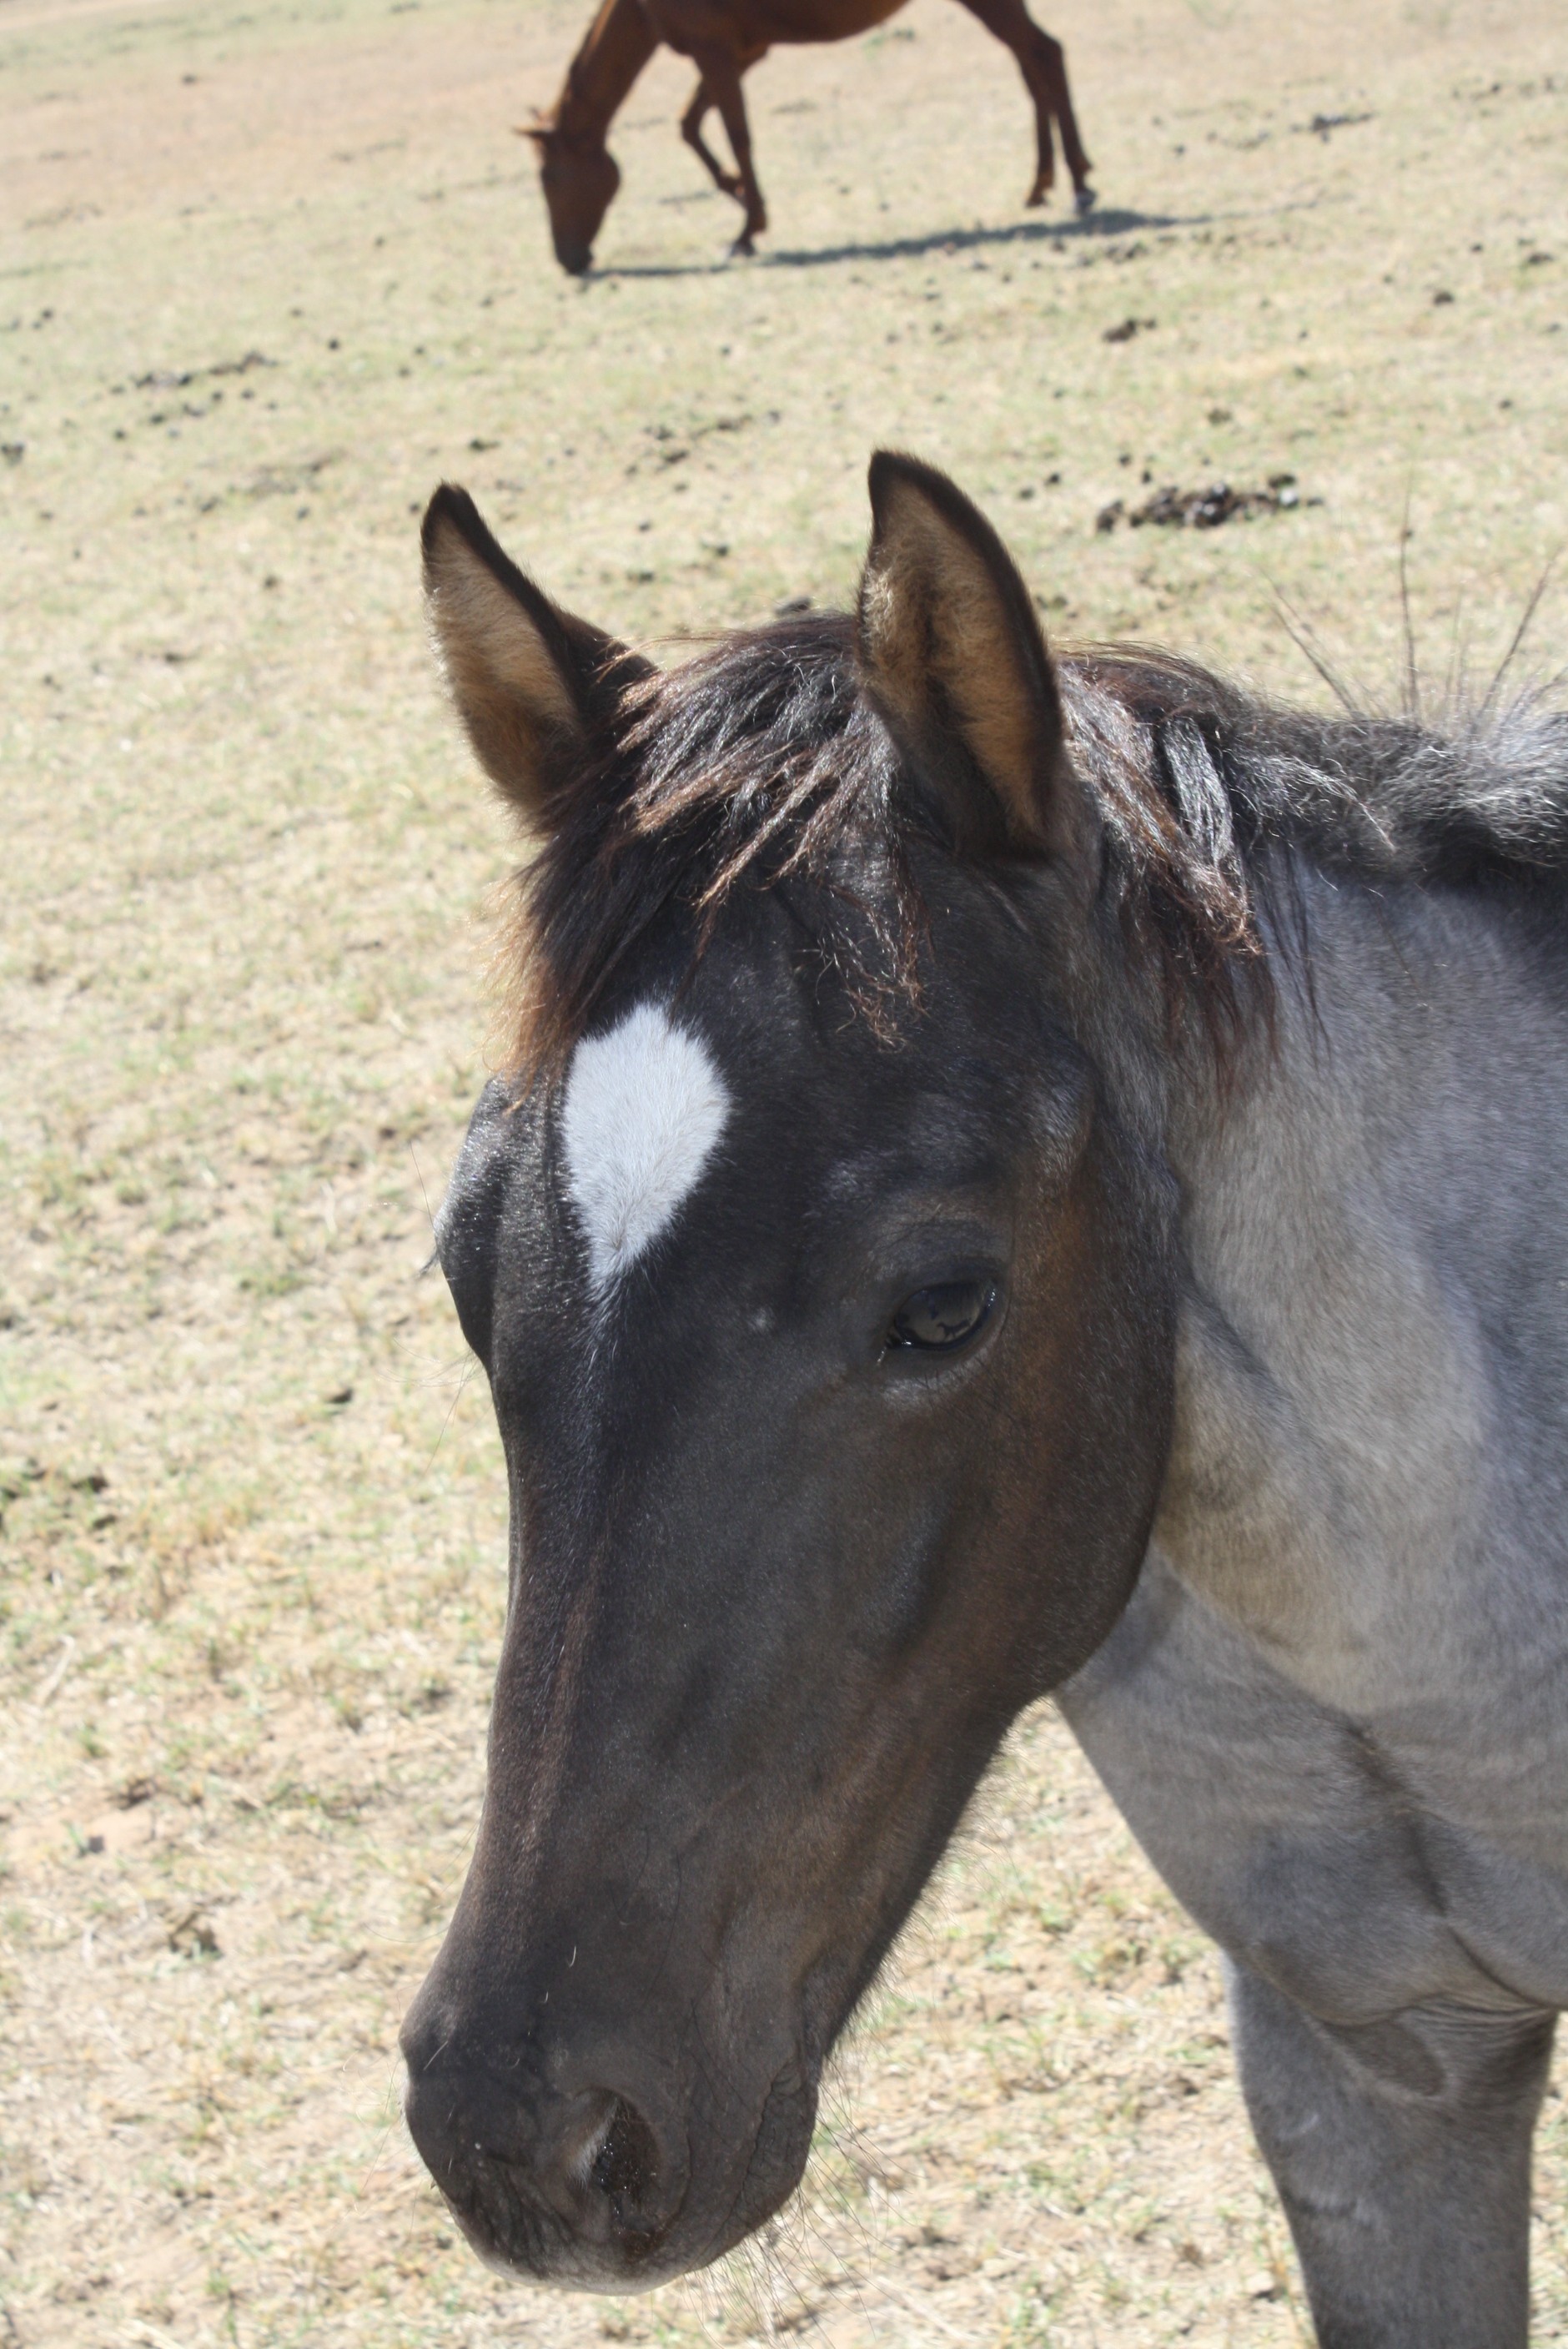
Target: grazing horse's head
(580, 177)
(824, 1284)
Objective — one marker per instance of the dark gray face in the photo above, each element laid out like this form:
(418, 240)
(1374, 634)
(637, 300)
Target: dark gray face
(833, 1379)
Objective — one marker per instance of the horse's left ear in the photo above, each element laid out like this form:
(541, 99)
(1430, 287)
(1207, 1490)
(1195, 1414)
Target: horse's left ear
(954, 653)
(532, 683)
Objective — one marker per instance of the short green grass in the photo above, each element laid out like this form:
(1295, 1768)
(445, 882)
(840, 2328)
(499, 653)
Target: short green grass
(267, 273)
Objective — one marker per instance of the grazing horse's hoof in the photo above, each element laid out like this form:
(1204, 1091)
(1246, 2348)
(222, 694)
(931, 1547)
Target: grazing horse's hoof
(1036, 195)
(1084, 201)
(743, 249)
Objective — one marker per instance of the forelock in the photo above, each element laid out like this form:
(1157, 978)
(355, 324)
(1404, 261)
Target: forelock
(758, 763)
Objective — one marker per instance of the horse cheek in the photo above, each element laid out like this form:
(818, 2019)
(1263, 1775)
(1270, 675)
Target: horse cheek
(1101, 1390)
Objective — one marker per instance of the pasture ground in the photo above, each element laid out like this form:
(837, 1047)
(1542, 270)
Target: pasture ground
(269, 271)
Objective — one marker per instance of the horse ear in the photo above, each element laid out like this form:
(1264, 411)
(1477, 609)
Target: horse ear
(530, 682)
(954, 655)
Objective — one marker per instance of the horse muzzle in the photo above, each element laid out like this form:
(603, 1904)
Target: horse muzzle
(574, 256)
(581, 2165)
(579, 2190)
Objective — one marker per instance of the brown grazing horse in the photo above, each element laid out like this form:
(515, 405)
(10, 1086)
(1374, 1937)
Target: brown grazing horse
(724, 39)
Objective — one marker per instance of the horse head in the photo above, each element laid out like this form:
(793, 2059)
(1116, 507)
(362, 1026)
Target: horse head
(826, 1302)
(579, 176)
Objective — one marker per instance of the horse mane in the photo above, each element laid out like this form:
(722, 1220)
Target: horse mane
(762, 762)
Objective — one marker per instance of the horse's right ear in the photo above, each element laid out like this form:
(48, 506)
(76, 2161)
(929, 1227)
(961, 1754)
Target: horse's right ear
(530, 682)
(953, 653)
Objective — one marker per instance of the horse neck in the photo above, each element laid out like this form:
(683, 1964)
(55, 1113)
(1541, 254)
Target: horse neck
(618, 45)
(1328, 1120)
(1366, 1231)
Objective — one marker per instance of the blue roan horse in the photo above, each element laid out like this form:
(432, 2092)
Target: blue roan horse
(1018, 1174)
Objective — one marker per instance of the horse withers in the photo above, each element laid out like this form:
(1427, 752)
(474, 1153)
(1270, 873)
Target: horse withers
(1017, 1173)
(724, 40)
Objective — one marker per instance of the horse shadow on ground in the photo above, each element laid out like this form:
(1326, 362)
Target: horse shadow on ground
(1082, 230)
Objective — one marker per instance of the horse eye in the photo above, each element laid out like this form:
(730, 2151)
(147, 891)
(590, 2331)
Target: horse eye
(943, 1318)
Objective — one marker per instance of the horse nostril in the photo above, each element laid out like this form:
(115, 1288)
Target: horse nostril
(626, 2167)
(572, 256)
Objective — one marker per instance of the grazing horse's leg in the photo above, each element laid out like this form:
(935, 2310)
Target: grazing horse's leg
(1401, 2152)
(1043, 64)
(727, 182)
(721, 69)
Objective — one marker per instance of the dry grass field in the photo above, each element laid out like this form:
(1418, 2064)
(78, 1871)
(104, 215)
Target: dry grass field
(268, 269)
